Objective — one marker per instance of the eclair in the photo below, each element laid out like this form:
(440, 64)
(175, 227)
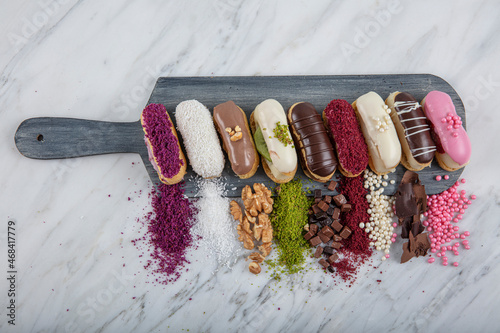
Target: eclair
(273, 141)
(203, 149)
(413, 130)
(161, 139)
(380, 134)
(315, 150)
(232, 125)
(453, 144)
(352, 152)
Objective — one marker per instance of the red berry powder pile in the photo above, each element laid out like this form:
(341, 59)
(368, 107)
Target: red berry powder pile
(344, 128)
(163, 141)
(168, 235)
(356, 250)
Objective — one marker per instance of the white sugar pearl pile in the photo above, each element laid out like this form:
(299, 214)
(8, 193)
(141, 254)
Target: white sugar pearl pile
(379, 228)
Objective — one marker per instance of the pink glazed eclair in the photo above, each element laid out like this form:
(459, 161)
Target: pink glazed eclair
(452, 141)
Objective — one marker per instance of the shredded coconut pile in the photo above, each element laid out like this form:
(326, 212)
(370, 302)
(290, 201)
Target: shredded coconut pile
(214, 222)
(196, 125)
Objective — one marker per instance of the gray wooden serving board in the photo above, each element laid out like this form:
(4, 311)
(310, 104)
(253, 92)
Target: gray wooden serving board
(50, 138)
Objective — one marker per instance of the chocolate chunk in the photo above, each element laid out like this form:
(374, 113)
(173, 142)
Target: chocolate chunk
(312, 219)
(331, 269)
(315, 241)
(316, 209)
(345, 208)
(339, 200)
(323, 263)
(330, 211)
(309, 235)
(337, 238)
(324, 238)
(327, 231)
(313, 228)
(420, 197)
(415, 247)
(332, 185)
(321, 216)
(336, 225)
(336, 245)
(332, 258)
(328, 250)
(327, 199)
(406, 204)
(346, 232)
(319, 251)
(323, 205)
(336, 214)
(328, 221)
(317, 194)
(316, 200)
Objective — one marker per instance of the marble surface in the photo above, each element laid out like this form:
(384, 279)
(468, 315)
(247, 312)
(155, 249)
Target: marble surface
(77, 270)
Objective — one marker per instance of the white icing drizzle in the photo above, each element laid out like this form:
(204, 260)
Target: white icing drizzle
(416, 118)
(426, 129)
(407, 106)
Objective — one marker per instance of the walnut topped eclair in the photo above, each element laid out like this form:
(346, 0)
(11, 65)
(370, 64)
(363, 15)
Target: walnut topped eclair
(232, 125)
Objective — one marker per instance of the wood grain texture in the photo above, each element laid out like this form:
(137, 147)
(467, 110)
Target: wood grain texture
(54, 138)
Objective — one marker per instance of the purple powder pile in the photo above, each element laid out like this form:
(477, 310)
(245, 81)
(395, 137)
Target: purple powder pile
(168, 235)
(159, 132)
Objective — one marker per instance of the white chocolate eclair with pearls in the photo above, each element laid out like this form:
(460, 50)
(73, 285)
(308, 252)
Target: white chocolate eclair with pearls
(380, 134)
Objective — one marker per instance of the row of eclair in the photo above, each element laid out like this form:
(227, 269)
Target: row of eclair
(371, 132)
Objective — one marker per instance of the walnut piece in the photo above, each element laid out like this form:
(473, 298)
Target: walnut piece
(257, 257)
(254, 267)
(237, 136)
(265, 249)
(235, 210)
(245, 237)
(237, 128)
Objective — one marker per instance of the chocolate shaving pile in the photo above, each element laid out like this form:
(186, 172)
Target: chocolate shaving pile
(411, 202)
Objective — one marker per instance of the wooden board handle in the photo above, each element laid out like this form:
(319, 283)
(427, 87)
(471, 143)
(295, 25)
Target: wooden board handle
(51, 138)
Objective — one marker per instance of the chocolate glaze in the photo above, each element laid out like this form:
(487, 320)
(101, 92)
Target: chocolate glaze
(310, 136)
(417, 130)
(242, 152)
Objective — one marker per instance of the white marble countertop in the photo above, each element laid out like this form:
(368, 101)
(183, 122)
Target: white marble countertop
(77, 270)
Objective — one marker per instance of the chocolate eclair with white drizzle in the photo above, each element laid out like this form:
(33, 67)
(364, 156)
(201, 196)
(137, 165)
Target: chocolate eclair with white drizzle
(413, 130)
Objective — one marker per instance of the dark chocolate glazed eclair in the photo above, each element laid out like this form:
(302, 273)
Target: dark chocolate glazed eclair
(316, 153)
(413, 130)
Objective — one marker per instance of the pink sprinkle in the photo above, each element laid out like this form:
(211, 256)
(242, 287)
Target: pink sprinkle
(394, 224)
(446, 177)
(455, 264)
(430, 260)
(466, 233)
(462, 236)
(463, 182)
(473, 197)
(445, 263)
(438, 178)
(387, 255)
(467, 247)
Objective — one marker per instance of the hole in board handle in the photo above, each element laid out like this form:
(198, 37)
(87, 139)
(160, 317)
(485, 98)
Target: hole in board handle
(39, 137)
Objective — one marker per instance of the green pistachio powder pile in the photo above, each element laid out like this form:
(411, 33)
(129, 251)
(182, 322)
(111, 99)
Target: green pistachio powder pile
(288, 218)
